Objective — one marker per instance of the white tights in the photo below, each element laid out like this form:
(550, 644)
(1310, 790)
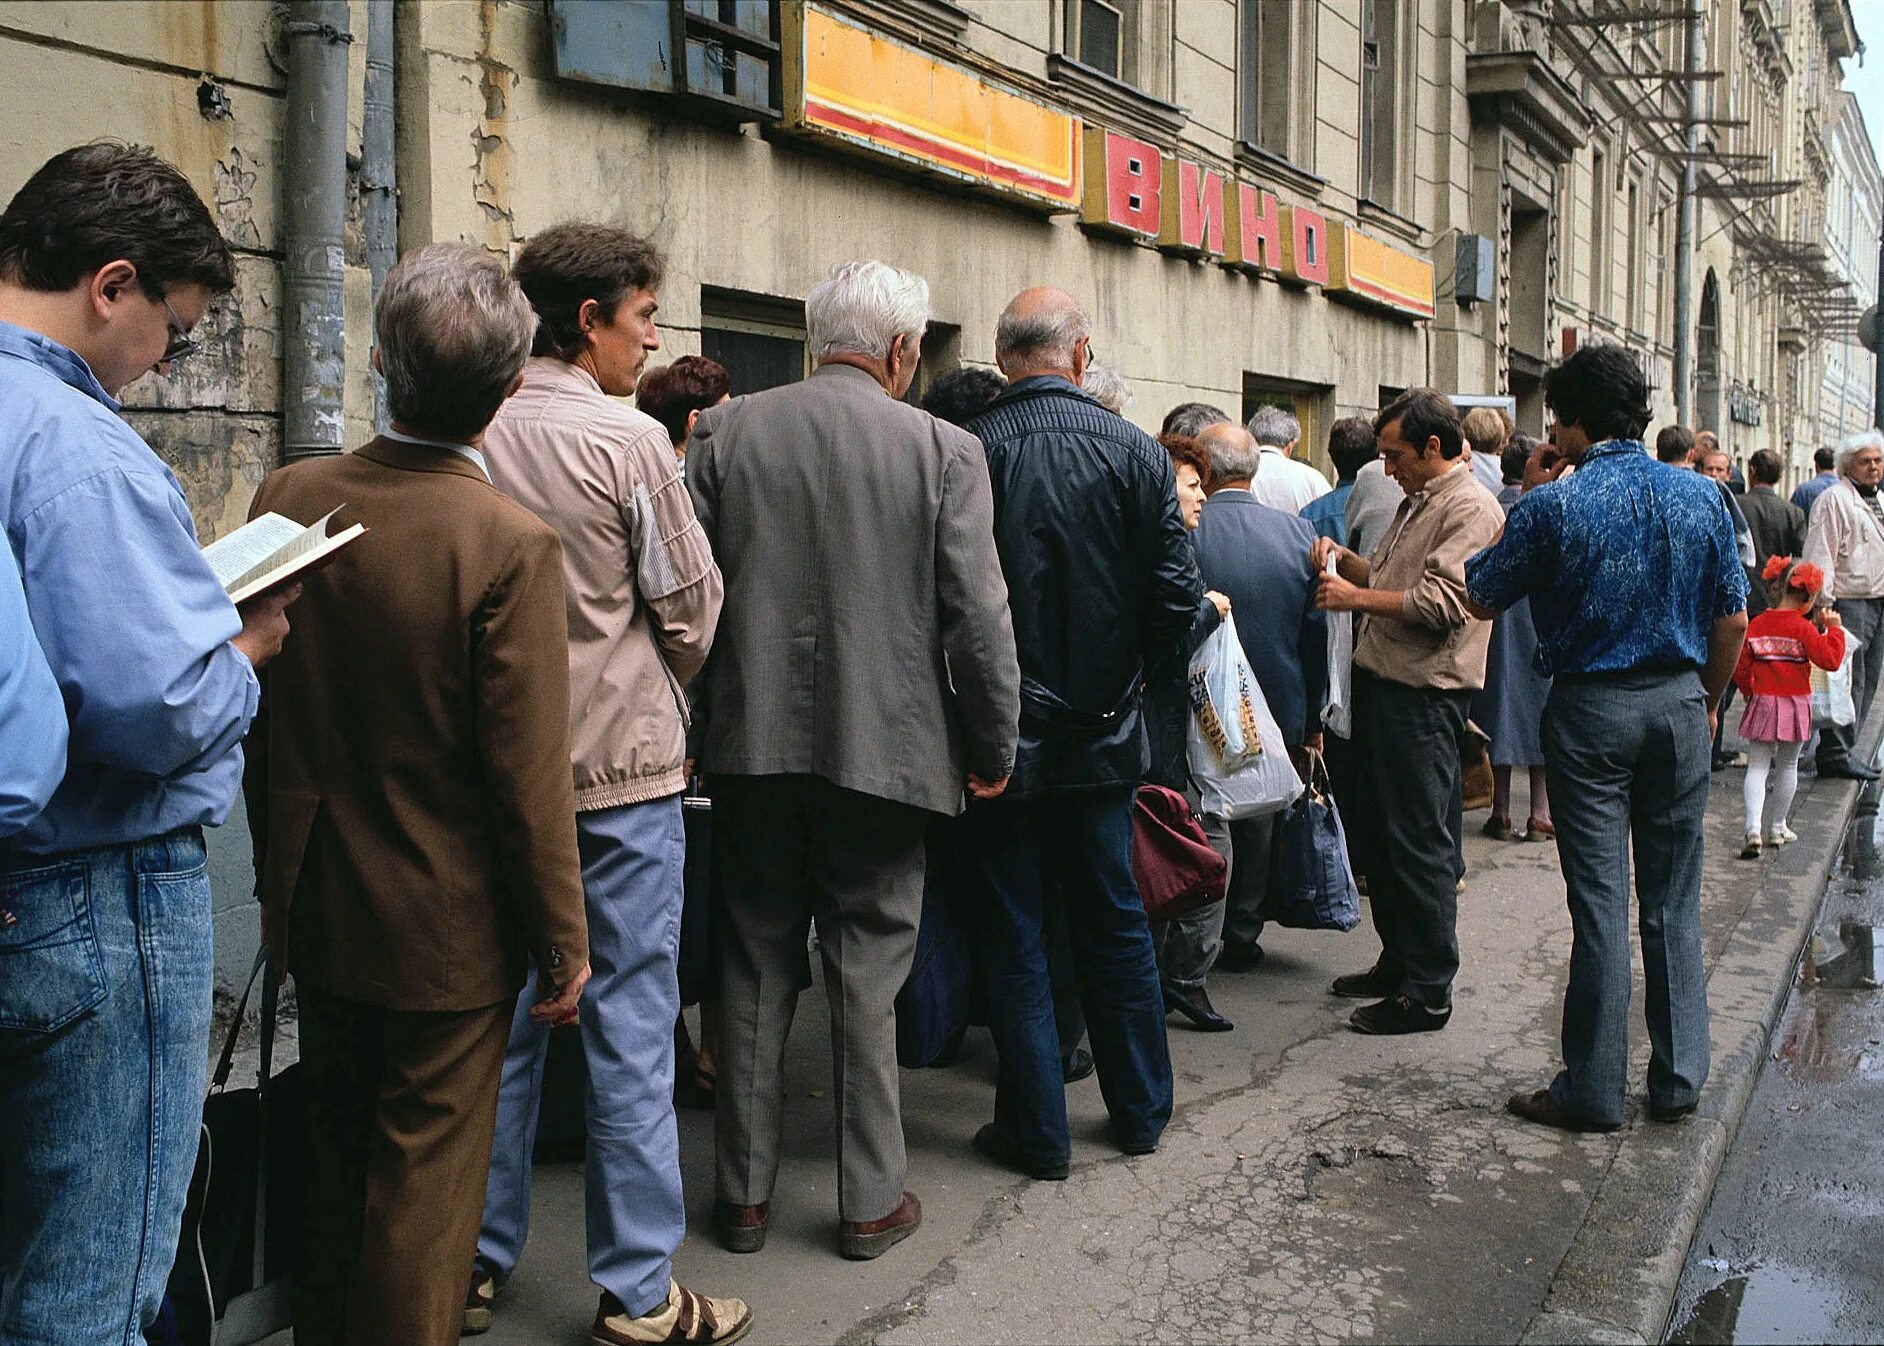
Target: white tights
(1761, 758)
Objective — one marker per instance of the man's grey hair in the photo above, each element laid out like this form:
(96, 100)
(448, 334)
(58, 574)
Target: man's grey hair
(1109, 386)
(862, 307)
(1855, 445)
(453, 330)
(1274, 427)
(1233, 454)
(1192, 418)
(1039, 340)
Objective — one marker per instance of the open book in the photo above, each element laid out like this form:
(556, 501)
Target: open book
(268, 551)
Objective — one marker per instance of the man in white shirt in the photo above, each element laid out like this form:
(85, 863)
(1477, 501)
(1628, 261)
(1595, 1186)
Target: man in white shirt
(1281, 482)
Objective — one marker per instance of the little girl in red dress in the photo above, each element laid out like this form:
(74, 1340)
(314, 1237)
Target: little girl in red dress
(1775, 676)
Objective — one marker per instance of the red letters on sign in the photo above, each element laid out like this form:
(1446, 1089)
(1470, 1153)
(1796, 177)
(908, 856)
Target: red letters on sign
(1255, 233)
(1305, 246)
(1123, 184)
(1193, 211)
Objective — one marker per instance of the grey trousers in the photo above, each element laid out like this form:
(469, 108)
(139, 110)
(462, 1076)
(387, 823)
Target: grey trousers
(1864, 620)
(1188, 947)
(1628, 763)
(787, 851)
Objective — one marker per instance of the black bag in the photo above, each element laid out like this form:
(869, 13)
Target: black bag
(936, 1004)
(242, 1219)
(696, 962)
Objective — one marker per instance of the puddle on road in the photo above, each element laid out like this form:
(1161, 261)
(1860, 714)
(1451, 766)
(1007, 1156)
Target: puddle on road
(1769, 1303)
(1858, 965)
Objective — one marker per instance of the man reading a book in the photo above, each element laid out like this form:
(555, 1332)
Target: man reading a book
(413, 812)
(107, 259)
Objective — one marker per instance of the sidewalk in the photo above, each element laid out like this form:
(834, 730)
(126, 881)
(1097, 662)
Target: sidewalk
(1315, 1185)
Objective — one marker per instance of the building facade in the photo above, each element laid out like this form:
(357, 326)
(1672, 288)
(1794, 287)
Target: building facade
(1854, 216)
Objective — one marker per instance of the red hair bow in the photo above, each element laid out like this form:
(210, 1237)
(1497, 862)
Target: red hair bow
(1775, 567)
(1806, 578)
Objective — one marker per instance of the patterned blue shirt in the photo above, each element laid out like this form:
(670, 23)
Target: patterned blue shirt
(134, 626)
(1627, 563)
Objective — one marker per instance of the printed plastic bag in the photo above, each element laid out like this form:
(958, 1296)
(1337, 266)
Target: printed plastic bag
(1831, 691)
(1337, 711)
(1237, 755)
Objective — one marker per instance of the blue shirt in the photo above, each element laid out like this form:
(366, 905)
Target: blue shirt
(134, 626)
(1627, 562)
(1811, 490)
(32, 717)
(1328, 514)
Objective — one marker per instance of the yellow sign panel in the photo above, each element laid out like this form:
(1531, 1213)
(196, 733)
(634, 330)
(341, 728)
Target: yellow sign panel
(1377, 273)
(876, 94)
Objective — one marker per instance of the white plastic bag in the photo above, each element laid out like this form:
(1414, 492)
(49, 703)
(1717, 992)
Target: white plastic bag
(1237, 755)
(1337, 711)
(1831, 691)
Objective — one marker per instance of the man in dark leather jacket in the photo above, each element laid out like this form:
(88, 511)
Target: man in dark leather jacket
(1103, 585)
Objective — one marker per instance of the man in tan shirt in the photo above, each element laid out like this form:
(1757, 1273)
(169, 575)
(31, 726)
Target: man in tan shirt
(1419, 655)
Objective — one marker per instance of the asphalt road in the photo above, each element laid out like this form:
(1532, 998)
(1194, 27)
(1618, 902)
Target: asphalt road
(1787, 1251)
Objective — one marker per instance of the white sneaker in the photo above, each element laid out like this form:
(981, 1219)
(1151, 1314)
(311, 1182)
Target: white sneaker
(1751, 851)
(1780, 835)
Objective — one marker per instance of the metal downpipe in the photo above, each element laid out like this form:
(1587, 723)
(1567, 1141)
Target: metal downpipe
(314, 354)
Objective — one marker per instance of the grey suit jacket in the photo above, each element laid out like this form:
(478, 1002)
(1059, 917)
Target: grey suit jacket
(865, 636)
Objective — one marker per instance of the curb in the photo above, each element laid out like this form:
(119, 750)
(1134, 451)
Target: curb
(1617, 1283)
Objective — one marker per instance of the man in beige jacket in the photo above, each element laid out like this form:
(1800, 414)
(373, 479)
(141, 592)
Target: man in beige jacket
(643, 598)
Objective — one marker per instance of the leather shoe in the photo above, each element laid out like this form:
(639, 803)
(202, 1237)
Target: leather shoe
(1680, 1114)
(861, 1240)
(1538, 1106)
(993, 1143)
(1077, 1066)
(740, 1229)
(1195, 1005)
(1848, 771)
(1240, 957)
(1402, 1014)
(1372, 984)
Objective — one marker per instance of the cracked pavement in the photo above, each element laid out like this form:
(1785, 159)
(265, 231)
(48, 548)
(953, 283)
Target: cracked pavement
(1315, 1185)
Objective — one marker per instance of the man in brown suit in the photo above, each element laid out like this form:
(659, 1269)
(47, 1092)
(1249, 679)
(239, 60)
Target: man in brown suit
(863, 671)
(413, 810)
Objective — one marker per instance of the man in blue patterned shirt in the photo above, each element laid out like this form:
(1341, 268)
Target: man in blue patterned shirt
(107, 259)
(1639, 597)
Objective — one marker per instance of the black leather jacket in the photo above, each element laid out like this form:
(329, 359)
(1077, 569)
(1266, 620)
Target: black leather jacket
(1101, 579)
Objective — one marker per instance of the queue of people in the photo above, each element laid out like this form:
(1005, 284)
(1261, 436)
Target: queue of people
(849, 617)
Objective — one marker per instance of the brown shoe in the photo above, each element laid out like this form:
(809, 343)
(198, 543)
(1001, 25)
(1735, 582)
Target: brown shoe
(685, 1317)
(1538, 1106)
(1539, 830)
(740, 1229)
(477, 1303)
(861, 1240)
(1498, 828)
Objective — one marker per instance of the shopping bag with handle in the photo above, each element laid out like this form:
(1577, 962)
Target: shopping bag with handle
(1237, 756)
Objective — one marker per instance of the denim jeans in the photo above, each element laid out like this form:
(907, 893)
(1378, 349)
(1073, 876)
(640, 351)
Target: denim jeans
(105, 974)
(1628, 762)
(1086, 837)
(632, 863)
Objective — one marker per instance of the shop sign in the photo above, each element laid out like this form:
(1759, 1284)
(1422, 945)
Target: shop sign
(874, 94)
(1744, 409)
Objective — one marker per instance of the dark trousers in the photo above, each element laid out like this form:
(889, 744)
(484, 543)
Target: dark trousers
(1086, 837)
(401, 1107)
(1864, 620)
(1401, 824)
(789, 850)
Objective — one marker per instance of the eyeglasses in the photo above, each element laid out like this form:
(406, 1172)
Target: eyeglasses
(180, 342)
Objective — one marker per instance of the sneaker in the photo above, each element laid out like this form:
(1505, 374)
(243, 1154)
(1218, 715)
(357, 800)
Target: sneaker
(478, 1302)
(685, 1317)
(1402, 1014)
(1751, 851)
(1780, 835)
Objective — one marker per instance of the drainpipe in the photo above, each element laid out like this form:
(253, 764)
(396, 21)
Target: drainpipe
(378, 172)
(1685, 226)
(314, 355)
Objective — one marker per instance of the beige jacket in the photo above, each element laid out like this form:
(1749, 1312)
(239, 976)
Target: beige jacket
(1844, 540)
(1436, 643)
(643, 591)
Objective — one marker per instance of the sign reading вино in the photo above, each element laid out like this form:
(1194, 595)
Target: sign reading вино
(875, 94)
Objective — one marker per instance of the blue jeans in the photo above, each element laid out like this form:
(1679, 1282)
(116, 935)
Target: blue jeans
(1628, 761)
(632, 863)
(1086, 836)
(105, 975)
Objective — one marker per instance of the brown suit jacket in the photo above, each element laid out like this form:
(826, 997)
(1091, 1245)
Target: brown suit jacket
(865, 636)
(408, 776)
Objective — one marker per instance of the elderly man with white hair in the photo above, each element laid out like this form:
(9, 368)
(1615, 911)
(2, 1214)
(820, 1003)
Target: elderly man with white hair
(862, 677)
(1845, 539)
(1105, 587)
(1281, 482)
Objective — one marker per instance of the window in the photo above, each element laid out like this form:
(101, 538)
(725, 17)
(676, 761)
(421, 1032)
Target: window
(1634, 296)
(1379, 80)
(1277, 46)
(1309, 402)
(760, 340)
(1599, 233)
(1098, 36)
(729, 56)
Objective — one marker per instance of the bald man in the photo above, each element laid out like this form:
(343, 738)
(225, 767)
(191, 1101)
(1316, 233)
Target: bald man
(1103, 586)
